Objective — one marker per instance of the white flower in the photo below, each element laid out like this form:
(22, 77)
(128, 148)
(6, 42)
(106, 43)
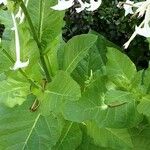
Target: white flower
(63, 4)
(18, 64)
(94, 5)
(128, 8)
(3, 2)
(82, 6)
(145, 30)
(141, 9)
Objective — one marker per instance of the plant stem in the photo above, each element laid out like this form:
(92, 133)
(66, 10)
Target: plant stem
(22, 5)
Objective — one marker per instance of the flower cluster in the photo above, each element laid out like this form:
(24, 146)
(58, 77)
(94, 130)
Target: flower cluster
(65, 4)
(139, 9)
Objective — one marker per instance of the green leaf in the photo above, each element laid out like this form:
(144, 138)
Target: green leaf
(76, 49)
(22, 129)
(109, 138)
(119, 68)
(91, 107)
(144, 105)
(47, 22)
(13, 92)
(140, 137)
(70, 138)
(62, 88)
(146, 80)
(117, 97)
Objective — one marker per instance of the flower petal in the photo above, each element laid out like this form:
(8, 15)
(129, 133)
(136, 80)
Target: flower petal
(145, 31)
(63, 4)
(94, 5)
(19, 65)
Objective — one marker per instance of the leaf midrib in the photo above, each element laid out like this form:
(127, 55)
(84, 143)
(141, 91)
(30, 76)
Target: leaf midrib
(30, 133)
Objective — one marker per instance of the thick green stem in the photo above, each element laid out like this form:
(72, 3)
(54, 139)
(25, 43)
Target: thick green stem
(22, 5)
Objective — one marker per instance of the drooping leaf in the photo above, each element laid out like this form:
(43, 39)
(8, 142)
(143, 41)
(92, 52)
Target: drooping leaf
(62, 88)
(26, 130)
(70, 138)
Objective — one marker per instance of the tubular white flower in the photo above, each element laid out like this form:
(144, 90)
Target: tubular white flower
(82, 6)
(18, 63)
(141, 9)
(128, 8)
(63, 4)
(145, 30)
(94, 5)
(126, 45)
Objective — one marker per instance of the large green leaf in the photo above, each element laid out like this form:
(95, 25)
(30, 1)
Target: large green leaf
(70, 138)
(21, 129)
(47, 22)
(62, 88)
(119, 67)
(13, 92)
(76, 49)
(110, 138)
(90, 107)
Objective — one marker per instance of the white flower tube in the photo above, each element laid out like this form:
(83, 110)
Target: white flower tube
(18, 64)
(94, 5)
(141, 9)
(82, 6)
(63, 4)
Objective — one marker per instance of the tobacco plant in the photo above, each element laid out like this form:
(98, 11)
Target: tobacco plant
(85, 94)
